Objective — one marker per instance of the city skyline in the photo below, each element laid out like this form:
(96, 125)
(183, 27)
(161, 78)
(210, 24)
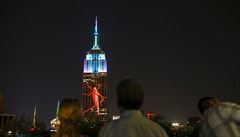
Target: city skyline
(179, 50)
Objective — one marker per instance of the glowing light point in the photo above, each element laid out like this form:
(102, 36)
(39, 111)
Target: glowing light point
(175, 124)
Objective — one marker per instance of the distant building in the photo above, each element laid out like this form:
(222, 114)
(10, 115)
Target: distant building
(7, 125)
(55, 123)
(34, 128)
(94, 84)
(2, 102)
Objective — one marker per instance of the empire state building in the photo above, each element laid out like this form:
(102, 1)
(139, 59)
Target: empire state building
(94, 84)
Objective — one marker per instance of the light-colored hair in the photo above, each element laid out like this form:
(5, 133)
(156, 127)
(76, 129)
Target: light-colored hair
(70, 115)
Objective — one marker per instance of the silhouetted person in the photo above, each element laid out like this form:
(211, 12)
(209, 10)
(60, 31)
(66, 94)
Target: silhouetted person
(220, 118)
(70, 116)
(132, 123)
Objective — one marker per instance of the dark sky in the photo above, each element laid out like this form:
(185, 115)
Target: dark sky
(180, 50)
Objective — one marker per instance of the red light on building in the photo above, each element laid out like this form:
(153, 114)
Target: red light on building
(150, 115)
(33, 129)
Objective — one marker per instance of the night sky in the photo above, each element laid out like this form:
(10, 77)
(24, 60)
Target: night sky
(180, 50)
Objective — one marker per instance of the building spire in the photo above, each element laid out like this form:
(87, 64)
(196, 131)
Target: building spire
(57, 108)
(34, 116)
(96, 44)
(96, 26)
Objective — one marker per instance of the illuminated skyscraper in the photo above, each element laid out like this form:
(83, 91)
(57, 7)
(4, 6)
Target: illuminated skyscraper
(94, 87)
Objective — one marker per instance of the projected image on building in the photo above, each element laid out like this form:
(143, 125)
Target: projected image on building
(94, 84)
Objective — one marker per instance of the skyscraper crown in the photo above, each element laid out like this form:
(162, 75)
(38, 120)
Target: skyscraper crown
(95, 61)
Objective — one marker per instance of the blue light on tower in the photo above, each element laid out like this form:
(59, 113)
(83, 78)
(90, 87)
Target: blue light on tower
(95, 61)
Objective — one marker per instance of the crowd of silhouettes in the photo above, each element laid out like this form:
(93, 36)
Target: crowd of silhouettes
(220, 119)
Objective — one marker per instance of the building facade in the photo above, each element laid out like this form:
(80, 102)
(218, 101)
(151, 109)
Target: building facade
(7, 125)
(94, 84)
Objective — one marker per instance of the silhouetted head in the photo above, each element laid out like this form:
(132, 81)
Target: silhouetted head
(70, 109)
(207, 102)
(130, 94)
(70, 115)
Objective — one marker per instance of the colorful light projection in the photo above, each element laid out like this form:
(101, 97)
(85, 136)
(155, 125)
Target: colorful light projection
(95, 97)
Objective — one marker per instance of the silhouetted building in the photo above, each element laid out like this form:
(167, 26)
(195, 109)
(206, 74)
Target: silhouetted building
(7, 125)
(2, 102)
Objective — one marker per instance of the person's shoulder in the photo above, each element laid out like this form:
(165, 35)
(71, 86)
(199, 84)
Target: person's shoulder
(148, 121)
(226, 108)
(109, 125)
(228, 104)
(112, 125)
(155, 126)
(106, 129)
(158, 130)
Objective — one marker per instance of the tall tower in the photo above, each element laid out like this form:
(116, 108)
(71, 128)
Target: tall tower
(94, 86)
(34, 117)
